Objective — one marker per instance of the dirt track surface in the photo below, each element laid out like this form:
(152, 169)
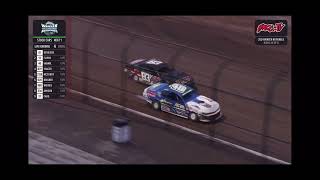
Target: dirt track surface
(88, 130)
(45, 150)
(252, 83)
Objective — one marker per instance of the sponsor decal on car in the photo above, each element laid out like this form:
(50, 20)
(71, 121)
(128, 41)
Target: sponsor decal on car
(151, 93)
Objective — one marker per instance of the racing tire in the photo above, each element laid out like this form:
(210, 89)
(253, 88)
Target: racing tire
(193, 116)
(135, 77)
(156, 105)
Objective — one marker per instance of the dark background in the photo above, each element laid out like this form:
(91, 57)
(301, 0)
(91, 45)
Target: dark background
(304, 102)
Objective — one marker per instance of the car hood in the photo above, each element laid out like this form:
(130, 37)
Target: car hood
(202, 104)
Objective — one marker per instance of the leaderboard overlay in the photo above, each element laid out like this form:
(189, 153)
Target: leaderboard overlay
(49, 59)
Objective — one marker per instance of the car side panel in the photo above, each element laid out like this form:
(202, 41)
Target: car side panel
(174, 107)
(146, 76)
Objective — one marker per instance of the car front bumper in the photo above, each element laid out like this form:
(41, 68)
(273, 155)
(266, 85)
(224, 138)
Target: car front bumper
(210, 117)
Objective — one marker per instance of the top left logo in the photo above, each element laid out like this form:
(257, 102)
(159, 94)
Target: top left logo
(49, 28)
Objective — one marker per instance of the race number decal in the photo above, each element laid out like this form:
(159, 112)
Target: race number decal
(178, 87)
(155, 62)
(146, 76)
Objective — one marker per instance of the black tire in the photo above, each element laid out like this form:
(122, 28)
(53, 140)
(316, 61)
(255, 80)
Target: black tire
(156, 105)
(193, 116)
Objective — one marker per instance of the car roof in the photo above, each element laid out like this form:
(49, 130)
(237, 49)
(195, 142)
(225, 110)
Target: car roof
(153, 61)
(179, 89)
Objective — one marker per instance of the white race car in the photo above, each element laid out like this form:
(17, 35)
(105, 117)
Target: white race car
(182, 101)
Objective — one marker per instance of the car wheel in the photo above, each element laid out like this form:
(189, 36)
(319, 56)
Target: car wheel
(135, 77)
(156, 105)
(193, 116)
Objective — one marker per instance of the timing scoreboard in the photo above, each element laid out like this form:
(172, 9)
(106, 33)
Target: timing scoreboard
(49, 59)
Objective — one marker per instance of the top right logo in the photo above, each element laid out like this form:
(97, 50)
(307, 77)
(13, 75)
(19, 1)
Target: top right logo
(271, 32)
(277, 27)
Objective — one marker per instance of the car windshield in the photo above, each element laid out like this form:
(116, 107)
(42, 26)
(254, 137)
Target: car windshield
(189, 95)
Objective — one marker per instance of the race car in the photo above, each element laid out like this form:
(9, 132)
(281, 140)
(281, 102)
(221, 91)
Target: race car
(152, 71)
(182, 101)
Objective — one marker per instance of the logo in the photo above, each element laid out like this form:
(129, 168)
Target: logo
(277, 27)
(151, 93)
(271, 32)
(49, 28)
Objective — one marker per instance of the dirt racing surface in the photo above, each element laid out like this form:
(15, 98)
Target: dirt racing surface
(71, 132)
(252, 83)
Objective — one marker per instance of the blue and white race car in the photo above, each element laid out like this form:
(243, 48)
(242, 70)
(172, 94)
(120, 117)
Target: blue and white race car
(182, 101)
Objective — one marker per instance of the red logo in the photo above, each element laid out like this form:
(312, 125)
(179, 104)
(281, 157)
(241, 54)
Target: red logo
(151, 93)
(277, 27)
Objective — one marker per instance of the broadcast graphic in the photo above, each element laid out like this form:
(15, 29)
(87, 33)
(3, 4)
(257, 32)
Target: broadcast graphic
(159, 90)
(49, 59)
(271, 32)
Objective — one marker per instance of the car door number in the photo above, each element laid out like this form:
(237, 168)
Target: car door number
(146, 76)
